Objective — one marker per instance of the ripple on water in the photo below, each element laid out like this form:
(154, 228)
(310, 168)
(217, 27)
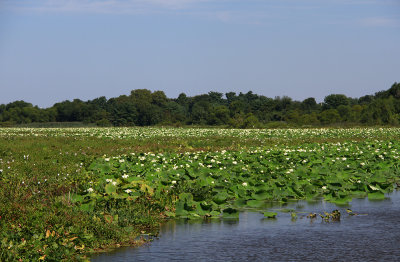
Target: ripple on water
(372, 237)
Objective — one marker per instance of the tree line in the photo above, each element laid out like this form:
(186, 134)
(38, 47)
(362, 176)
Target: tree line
(244, 110)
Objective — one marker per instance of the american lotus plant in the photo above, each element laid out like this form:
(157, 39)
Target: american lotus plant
(205, 184)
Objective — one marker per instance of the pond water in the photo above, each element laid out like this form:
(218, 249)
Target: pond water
(373, 235)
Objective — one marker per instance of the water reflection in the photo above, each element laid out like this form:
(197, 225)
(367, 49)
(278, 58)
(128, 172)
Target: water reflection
(372, 237)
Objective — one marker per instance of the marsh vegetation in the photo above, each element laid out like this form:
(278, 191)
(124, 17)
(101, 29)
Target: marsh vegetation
(68, 192)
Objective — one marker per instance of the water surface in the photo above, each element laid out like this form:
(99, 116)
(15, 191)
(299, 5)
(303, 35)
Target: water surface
(371, 237)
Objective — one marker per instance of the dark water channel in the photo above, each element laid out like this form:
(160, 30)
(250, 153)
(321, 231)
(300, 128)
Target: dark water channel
(371, 237)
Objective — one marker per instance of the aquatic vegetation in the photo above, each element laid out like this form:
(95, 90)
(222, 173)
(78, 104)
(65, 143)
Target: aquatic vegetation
(333, 216)
(168, 132)
(206, 183)
(270, 214)
(312, 215)
(67, 192)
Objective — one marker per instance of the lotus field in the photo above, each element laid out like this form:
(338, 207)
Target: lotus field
(68, 192)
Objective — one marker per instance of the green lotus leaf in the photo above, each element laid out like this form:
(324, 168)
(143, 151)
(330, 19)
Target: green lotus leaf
(341, 201)
(255, 203)
(376, 196)
(220, 198)
(206, 206)
(230, 213)
(180, 209)
(239, 203)
(261, 195)
(214, 213)
(270, 214)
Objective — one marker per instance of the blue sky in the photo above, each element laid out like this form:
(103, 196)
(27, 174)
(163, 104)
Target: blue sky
(54, 50)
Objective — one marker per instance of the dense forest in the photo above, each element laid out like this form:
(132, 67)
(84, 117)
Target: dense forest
(145, 108)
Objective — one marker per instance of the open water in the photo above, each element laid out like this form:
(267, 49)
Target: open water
(374, 235)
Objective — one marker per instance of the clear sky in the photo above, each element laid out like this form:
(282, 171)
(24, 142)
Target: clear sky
(54, 50)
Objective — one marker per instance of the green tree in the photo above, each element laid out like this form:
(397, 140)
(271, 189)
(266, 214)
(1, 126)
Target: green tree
(141, 96)
(344, 112)
(355, 114)
(309, 105)
(174, 113)
(199, 112)
(159, 98)
(335, 100)
(293, 116)
(380, 111)
(330, 116)
(230, 97)
(219, 115)
(122, 111)
(310, 119)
